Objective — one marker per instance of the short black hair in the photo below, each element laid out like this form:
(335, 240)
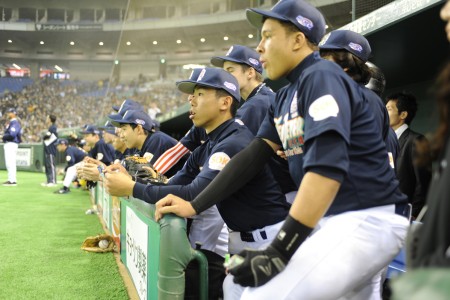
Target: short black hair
(405, 102)
(52, 118)
(356, 68)
(234, 104)
(133, 126)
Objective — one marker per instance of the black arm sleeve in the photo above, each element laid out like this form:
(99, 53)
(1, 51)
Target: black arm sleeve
(239, 170)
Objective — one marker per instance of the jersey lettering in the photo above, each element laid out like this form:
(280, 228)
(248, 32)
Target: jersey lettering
(291, 134)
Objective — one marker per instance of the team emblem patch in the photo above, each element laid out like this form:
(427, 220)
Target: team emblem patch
(68, 158)
(305, 22)
(140, 122)
(218, 161)
(253, 61)
(229, 85)
(99, 156)
(148, 156)
(356, 47)
(13, 129)
(323, 107)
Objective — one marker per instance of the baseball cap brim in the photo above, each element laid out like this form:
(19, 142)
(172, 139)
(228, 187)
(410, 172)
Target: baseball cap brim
(218, 61)
(116, 120)
(255, 16)
(188, 87)
(334, 47)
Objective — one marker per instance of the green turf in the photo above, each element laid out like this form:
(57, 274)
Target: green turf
(40, 238)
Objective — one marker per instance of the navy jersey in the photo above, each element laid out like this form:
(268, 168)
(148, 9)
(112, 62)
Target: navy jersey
(103, 152)
(319, 99)
(13, 132)
(257, 204)
(51, 148)
(194, 138)
(74, 155)
(155, 145)
(382, 121)
(254, 109)
(252, 114)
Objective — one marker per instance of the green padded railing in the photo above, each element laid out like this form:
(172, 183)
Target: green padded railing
(175, 252)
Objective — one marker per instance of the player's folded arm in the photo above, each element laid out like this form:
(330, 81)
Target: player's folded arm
(153, 193)
(238, 172)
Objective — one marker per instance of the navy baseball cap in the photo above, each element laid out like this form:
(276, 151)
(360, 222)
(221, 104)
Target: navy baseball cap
(303, 15)
(241, 55)
(348, 40)
(126, 105)
(137, 117)
(212, 78)
(62, 142)
(11, 110)
(90, 129)
(108, 127)
(195, 72)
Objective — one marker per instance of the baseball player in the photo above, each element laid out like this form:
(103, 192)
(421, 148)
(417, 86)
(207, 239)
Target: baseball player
(12, 138)
(351, 51)
(74, 155)
(137, 131)
(50, 152)
(99, 149)
(377, 83)
(345, 224)
(255, 211)
(110, 136)
(243, 63)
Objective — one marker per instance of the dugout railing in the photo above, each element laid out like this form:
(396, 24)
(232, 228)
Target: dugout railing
(155, 253)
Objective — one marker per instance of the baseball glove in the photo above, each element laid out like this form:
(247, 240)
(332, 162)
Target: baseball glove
(91, 243)
(139, 167)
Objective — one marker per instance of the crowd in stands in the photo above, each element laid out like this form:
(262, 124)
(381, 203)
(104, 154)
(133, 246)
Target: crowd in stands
(80, 102)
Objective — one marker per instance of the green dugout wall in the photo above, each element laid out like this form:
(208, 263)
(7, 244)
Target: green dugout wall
(30, 157)
(154, 253)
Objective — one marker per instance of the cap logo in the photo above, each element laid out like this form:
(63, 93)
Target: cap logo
(324, 39)
(305, 22)
(140, 122)
(229, 51)
(253, 61)
(192, 74)
(229, 85)
(200, 76)
(276, 4)
(356, 47)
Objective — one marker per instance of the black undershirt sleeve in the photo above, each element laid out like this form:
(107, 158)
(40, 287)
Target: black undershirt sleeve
(238, 172)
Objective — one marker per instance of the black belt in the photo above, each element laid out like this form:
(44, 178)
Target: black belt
(403, 209)
(248, 236)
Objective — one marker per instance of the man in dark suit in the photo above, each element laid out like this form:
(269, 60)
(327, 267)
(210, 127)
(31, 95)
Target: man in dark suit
(414, 180)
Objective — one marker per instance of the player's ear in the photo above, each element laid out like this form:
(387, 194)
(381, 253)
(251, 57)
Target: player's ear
(299, 40)
(226, 102)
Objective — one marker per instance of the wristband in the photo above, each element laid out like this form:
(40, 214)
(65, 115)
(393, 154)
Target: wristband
(290, 237)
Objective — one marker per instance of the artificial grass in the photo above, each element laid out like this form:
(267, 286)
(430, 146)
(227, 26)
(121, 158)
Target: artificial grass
(40, 238)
